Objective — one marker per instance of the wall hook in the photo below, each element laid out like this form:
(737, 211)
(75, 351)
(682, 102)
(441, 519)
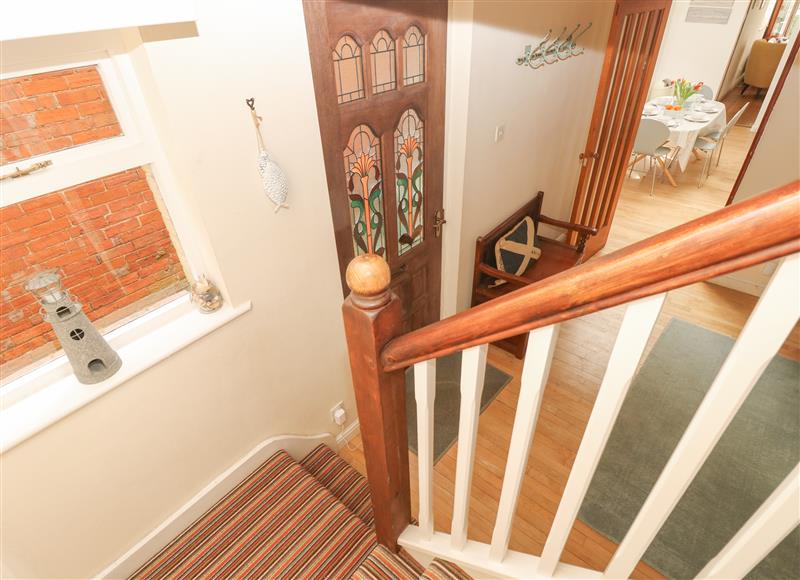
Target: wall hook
(551, 51)
(572, 49)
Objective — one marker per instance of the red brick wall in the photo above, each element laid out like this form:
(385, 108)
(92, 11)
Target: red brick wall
(53, 111)
(109, 241)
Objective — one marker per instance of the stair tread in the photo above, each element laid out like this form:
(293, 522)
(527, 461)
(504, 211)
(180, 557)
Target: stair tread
(382, 564)
(280, 521)
(343, 481)
(444, 570)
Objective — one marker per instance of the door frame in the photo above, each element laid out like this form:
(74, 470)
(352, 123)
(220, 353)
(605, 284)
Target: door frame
(628, 131)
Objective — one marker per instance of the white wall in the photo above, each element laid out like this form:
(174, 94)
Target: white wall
(79, 494)
(776, 162)
(697, 51)
(753, 28)
(546, 113)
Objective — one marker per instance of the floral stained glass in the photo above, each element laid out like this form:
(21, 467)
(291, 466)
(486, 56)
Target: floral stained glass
(348, 70)
(413, 56)
(382, 57)
(362, 167)
(408, 139)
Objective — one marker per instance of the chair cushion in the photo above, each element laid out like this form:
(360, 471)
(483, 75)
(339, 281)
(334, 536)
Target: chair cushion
(516, 249)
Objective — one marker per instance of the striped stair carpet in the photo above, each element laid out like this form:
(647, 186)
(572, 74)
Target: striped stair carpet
(311, 519)
(341, 479)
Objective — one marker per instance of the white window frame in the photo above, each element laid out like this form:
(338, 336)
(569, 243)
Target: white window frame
(44, 393)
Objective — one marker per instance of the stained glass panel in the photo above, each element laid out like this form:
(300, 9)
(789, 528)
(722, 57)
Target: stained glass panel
(382, 56)
(362, 167)
(413, 56)
(408, 138)
(348, 71)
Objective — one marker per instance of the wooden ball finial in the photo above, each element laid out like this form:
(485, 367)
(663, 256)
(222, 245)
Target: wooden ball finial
(368, 275)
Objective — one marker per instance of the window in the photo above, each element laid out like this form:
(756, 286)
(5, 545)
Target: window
(362, 163)
(413, 56)
(409, 173)
(348, 71)
(92, 211)
(382, 56)
(53, 111)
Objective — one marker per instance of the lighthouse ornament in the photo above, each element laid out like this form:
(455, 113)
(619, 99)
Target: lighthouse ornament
(91, 357)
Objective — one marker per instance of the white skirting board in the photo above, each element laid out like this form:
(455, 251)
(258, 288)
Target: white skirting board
(347, 434)
(296, 445)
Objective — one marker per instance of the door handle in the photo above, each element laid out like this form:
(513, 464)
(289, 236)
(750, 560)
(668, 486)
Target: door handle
(438, 222)
(584, 157)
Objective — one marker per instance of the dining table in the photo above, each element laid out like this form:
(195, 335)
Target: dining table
(698, 117)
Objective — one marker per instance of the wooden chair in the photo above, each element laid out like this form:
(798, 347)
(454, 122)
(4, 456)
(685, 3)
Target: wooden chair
(556, 257)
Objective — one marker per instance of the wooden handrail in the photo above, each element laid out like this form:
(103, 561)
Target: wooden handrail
(762, 228)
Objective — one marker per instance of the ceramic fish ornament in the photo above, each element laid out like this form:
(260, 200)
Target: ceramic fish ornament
(273, 179)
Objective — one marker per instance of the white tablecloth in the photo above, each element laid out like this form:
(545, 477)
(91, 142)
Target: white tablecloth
(687, 132)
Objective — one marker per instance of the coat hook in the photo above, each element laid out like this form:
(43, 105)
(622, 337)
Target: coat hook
(573, 46)
(251, 102)
(566, 44)
(535, 59)
(550, 51)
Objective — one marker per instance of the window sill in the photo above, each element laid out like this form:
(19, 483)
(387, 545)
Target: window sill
(42, 397)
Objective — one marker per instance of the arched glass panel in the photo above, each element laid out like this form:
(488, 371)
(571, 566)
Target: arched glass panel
(413, 56)
(382, 57)
(408, 140)
(362, 167)
(348, 71)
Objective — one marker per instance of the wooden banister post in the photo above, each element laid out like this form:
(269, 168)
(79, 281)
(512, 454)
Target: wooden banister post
(372, 316)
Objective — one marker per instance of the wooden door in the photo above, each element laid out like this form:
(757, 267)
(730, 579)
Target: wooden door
(633, 43)
(378, 73)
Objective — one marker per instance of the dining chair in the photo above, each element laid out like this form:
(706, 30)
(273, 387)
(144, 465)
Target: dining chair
(706, 92)
(714, 141)
(649, 144)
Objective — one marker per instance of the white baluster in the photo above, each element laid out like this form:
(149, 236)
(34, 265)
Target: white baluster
(777, 516)
(473, 370)
(637, 324)
(538, 355)
(772, 319)
(425, 393)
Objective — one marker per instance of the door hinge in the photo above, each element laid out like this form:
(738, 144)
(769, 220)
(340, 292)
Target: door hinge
(438, 222)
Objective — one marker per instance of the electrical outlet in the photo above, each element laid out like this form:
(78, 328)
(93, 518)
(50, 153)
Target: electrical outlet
(338, 414)
(499, 133)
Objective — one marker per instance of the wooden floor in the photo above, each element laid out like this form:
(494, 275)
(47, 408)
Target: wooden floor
(734, 101)
(583, 348)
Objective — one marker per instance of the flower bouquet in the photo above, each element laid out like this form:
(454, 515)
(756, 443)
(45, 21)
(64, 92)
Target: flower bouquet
(681, 91)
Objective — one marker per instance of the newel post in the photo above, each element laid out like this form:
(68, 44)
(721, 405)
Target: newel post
(372, 316)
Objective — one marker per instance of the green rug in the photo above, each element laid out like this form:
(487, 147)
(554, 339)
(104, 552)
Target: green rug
(448, 400)
(756, 452)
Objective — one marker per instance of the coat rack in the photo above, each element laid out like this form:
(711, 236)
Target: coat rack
(551, 51)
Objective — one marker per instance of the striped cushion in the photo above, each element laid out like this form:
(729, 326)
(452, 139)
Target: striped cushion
(279, 522)
(444, 570)
(342, 480)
